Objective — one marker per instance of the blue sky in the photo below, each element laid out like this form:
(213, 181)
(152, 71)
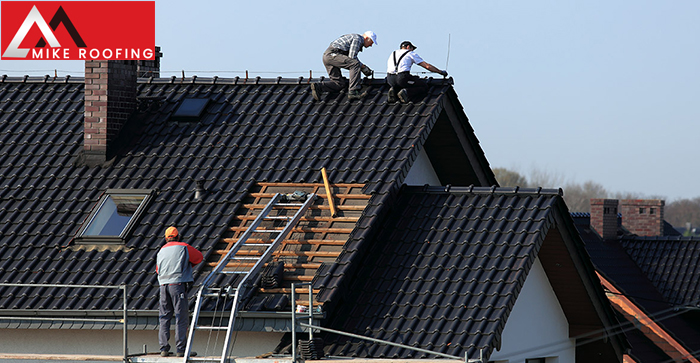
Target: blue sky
(596, 90)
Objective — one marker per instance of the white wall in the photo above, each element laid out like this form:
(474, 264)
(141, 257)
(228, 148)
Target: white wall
(109, 342)
(537, 326)
(422, 172)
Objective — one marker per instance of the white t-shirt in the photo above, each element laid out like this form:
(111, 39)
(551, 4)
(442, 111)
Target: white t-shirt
(405, 63)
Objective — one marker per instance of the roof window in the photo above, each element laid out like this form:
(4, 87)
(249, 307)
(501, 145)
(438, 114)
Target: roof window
(114, 215)
(190, 109)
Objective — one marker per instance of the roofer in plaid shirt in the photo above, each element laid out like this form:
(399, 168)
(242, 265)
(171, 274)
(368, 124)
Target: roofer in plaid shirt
(342, 53)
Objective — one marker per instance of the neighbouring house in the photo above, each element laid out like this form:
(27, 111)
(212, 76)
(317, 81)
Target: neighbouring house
(651, 276)
(426, 249)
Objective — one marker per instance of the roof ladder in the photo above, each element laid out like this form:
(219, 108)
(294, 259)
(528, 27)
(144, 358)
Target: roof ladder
(240, 254)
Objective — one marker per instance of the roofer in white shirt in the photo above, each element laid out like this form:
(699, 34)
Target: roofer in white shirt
(402, 83)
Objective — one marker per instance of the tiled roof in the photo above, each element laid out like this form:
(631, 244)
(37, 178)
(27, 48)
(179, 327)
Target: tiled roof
(670, 263)
(640, 267)
(252, 131)
(446, 269)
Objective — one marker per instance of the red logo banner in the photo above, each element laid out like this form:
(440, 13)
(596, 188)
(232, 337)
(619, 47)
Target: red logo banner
(77, 30)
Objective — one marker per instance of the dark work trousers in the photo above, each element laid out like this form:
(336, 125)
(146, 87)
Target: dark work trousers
(414, 85)
(173, 301)
(334, 61)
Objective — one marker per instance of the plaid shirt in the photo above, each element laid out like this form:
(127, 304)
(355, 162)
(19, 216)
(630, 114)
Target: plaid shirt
(352, 43)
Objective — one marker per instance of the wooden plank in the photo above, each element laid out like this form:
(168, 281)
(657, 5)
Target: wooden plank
(339, 207)
(298, 278)
(321, 196)
(303, 230)
(283, 253)
(288, 290)
(251, 217)
(324, 242)
(309, 185)
(287, 266)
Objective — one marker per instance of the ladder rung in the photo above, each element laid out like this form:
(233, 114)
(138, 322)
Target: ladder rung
(275, 217)
(258, 244)
(204, 359)
(235, 272)
(211, 327)
(217, 295)
(267, 231)
(290, 204)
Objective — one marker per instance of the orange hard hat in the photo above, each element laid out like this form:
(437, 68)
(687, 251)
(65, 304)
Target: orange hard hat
(171, 232)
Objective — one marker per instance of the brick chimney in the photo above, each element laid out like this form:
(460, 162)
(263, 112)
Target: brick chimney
(110, 98)
(604, 217)
(643, 217)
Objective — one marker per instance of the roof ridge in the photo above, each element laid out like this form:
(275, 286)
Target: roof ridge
(208, 80)
(483, 190)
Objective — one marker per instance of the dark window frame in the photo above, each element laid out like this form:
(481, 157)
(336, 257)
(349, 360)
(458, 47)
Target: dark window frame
(190, 109)
(80, 236)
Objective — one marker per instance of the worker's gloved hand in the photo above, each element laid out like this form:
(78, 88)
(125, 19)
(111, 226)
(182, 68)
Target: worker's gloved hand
(366, 70)
(443, 73)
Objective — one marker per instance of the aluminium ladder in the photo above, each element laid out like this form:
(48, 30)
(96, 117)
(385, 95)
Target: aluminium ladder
(247, 276)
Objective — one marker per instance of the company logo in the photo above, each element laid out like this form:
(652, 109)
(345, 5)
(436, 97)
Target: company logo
(77, 30)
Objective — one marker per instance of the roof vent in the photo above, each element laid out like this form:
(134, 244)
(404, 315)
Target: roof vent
(199, 190)
(190, 109)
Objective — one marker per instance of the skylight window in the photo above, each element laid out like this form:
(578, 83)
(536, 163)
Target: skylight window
(190, 109)
(114, 215)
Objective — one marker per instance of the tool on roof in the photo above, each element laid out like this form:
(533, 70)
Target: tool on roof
(237, 265)
(448, 50)
(327, 184)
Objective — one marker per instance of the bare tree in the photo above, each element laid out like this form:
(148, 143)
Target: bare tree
(509, 178)
(681, 212)
(578, 196)
(546, 179)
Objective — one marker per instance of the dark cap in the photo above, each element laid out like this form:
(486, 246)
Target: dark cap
(407, 43)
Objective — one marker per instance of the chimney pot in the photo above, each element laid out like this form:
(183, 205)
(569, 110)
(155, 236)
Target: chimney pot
(604, 217)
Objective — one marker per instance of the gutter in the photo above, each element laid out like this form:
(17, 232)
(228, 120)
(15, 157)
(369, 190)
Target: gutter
(655, 332)
(254, 321)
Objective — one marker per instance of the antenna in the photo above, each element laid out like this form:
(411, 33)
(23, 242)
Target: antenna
(448, 50)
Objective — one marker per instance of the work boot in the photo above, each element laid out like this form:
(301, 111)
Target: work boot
(403, 96)
(182, 354)
(164, 353)
(391, 95)
(354, 95)
(316, 91)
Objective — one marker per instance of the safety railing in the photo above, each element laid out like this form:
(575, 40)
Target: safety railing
(311, 327)
(122, 321)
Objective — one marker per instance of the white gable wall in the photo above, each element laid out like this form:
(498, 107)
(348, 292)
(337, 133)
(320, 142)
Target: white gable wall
(422, 172)
(537, 326)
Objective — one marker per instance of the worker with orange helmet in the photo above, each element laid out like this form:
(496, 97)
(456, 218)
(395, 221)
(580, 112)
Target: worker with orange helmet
(174, 267)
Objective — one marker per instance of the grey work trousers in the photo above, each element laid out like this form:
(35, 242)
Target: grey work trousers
(173, 301)
(334, 61)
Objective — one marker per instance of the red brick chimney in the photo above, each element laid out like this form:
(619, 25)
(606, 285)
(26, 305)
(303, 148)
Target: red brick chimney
(643, 217)
(110, 98)
(604, 217)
